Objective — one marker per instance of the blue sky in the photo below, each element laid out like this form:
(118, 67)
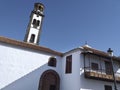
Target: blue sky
(67, 23)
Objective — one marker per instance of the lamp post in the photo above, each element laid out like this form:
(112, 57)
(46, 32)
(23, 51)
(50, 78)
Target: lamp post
(110, 52)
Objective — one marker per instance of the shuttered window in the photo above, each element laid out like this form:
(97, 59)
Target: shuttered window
(69, 64)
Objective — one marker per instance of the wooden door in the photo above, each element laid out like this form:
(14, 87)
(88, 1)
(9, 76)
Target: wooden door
(49, 81)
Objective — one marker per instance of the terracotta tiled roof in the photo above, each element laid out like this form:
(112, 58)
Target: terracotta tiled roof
(28, 45)
(99, 53)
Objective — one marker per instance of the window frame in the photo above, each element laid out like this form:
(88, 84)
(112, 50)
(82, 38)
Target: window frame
(52, 62)
(32, 38)
(36, 23)
(68, 69)
(94, 66)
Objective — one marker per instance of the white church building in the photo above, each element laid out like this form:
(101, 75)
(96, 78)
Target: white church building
(24, 65)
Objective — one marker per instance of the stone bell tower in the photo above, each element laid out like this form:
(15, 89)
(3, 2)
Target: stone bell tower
(35, 24)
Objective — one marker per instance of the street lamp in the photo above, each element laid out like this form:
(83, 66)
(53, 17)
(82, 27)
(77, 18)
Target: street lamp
(110, 53)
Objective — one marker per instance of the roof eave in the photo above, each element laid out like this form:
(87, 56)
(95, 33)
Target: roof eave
(29, 45)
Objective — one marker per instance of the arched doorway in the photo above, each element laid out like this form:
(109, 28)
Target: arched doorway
(49, 80)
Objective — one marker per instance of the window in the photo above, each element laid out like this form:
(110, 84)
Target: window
(41, 8)
(69, 64)
(94, 66)
(52, 62)
(32, 38)
(108, 87)
(36, 23)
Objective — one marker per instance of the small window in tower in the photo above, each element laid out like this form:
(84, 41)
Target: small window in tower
(38, 22)
(52, 62)
(32, 38)
(41, 8)
(68, 64)
(34, 21)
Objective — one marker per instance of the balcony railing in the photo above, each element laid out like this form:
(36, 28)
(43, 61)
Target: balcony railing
(100, 74)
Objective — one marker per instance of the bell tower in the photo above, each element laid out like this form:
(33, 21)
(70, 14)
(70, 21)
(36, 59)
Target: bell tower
(35, 24)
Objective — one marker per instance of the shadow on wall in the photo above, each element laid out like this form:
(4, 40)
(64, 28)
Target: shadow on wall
(28, 82)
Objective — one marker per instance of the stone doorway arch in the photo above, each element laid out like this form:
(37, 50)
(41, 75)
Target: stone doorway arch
(49, 80)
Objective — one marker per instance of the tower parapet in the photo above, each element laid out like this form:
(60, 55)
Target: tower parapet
(39, 7)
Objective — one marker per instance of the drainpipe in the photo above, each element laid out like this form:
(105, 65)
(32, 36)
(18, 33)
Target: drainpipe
(110, 53)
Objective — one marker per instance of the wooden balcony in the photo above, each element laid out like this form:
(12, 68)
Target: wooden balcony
(100, 75)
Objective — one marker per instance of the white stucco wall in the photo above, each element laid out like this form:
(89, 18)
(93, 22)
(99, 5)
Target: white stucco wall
(20, 68)
(37, 18)
(33, 30)
(76, 79)
(71, 81)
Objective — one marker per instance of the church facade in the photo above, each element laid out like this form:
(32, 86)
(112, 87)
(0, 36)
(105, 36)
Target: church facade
(28, 66)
